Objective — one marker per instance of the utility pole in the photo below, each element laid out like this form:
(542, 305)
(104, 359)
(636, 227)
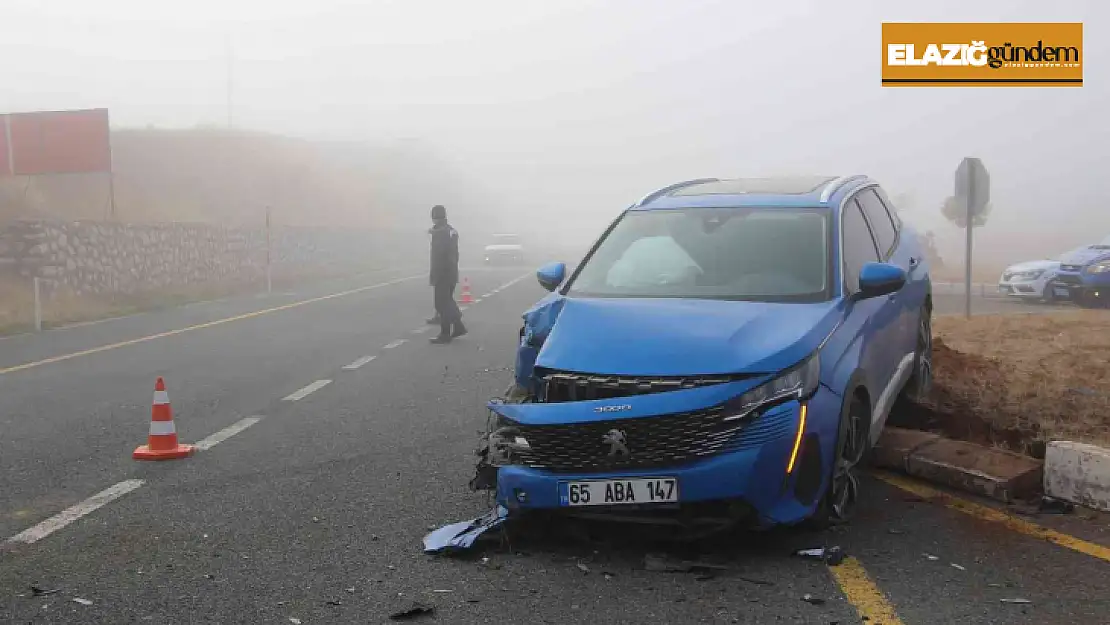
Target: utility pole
(269, 253)
(230, 76)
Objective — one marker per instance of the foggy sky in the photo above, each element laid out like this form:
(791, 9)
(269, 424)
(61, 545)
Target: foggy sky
(572, 108)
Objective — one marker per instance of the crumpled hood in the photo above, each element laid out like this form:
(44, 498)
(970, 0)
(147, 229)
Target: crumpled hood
(1084, 256)
(670, 337)
(1033, 265)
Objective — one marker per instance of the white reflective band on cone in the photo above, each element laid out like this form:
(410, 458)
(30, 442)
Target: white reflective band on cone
(161, 398)
(162, 428)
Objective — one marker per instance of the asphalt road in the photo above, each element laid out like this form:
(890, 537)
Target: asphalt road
(315, 510)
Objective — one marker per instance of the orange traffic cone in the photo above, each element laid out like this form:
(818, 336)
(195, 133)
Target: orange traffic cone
(467, 298)
(162, 442)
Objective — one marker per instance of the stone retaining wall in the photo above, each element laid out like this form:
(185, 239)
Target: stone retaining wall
(102, 257)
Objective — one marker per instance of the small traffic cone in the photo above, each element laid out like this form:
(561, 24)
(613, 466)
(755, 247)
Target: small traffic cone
(467, 298)
(162, 442)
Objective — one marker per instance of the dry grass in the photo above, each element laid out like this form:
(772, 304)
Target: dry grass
(1013, 379)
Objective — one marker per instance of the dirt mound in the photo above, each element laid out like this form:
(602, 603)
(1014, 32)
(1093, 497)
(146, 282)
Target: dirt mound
(1017, 381)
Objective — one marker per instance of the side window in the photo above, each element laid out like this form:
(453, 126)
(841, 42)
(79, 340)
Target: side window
(859, 246)
(890, 208)
(881, 224)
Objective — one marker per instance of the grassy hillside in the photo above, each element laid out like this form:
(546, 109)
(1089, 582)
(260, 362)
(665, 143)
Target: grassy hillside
(230, 177)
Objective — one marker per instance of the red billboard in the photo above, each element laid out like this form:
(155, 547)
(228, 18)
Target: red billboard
(5, 148)
(55, 142)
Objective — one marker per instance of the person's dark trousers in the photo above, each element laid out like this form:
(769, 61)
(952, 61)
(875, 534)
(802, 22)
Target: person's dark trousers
(446, 309)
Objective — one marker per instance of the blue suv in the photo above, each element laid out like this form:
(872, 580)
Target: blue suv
(1084, 275)
(726, 353)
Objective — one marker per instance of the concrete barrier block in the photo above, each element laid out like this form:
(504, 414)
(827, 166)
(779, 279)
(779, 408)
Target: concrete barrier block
(994, 473)
(896, 444)
(1079, 473)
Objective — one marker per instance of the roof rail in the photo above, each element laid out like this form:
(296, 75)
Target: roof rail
(833, 185)
(674, 187)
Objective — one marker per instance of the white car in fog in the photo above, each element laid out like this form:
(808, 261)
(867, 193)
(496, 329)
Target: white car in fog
(1031, 280)
(505, 248)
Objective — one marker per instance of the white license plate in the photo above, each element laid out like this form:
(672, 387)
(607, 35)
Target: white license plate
(1061, 292)
(619, 491)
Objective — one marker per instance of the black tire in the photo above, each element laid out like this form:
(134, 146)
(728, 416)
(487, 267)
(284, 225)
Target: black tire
(839, 501)
(1083, 300)
(1048, 296)
(920, 384)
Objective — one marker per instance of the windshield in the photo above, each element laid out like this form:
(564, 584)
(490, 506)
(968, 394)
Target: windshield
(760, 254)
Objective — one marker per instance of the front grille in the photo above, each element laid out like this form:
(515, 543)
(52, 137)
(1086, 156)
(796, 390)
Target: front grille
(652, 442)
(1062, 279)
(1074, 268)
(562, 386)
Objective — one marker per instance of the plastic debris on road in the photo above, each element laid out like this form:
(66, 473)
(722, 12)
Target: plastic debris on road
(417, 610)
(831, 556)
(1050, 505)
(663, 564)
(810, 599)
(462, 535)
(82, 601)
(1017, 601)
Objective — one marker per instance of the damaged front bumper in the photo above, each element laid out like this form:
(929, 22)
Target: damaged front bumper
(745, 480)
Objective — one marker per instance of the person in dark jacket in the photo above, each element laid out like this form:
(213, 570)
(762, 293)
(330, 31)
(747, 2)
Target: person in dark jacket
(444, 276)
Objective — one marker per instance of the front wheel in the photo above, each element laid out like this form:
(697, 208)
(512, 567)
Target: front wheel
(839, 503)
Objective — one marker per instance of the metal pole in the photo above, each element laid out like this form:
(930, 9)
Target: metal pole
(230, 70)
(8, 142)
(970, 199)
(38, 304)
(269, 255)
(111, 183)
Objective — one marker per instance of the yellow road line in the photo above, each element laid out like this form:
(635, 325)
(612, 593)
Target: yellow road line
(200, 326)
(863, 594)
(994, 515)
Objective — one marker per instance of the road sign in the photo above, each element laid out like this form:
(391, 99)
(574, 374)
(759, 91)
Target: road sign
(973, 188)
(973, 185)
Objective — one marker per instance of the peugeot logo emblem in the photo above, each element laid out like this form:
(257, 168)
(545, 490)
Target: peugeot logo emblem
(617, 443)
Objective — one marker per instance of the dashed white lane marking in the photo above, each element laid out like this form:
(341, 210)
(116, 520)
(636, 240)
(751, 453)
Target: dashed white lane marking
(226, 433)
(394, 344)
(71, 514)
(421, 330)
(308, 390)
(358, 363)
(463, 307)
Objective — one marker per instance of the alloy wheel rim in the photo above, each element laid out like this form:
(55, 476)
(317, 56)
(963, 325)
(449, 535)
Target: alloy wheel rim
(845, 483)
(925, 355)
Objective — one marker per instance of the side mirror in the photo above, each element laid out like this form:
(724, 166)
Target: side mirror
(876, 279)
(551, 275)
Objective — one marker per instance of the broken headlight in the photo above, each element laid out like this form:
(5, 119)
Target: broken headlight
(798, 382)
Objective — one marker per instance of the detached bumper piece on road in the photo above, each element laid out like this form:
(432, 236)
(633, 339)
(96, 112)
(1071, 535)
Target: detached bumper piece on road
(162, 441)
(461, 536)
